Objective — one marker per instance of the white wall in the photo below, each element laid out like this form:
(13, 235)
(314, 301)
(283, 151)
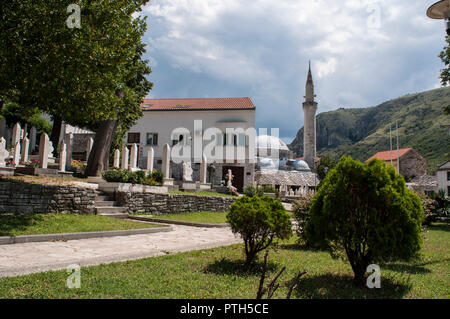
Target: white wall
(164, 123)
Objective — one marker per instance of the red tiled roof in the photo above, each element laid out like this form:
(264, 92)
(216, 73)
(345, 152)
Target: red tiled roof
(198, 104)
(386, 155)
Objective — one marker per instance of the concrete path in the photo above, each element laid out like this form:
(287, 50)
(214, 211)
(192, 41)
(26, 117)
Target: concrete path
(20, 259)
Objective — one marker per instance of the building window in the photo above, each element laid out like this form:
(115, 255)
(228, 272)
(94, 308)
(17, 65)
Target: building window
(134, 138)
(448, 176)
(152, 139)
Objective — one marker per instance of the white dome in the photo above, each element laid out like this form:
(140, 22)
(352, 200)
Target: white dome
(270, 142)
(301, 165)
(266, 163)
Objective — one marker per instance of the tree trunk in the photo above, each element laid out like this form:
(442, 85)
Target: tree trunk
(56, 132)
(99, 158)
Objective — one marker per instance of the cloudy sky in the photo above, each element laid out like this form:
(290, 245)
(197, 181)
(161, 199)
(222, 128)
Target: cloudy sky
(362, 52)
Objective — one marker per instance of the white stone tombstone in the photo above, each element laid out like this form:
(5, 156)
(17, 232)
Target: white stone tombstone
(187, 172)
(62, 157)
(16, 134)
(16, 154)
(68, 140)
(44, 150)
(150, 157)
(125, 154)
(89, 145)
(3, 152)
(117, 159)
(203, 169)
(25, 147)
(166, 161)
(133, 157)
(32, 146)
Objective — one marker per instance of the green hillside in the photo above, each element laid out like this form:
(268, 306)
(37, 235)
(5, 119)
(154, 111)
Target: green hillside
(362, 132)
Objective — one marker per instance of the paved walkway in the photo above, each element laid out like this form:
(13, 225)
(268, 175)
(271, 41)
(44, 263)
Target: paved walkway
(20, 259)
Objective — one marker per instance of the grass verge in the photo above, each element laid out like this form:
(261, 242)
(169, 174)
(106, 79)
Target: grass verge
(198, 217)
(214, 194)
(38, 224)
(218, 273)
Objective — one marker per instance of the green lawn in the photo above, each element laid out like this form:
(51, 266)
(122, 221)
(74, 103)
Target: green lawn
(199, 217)
(217, 273)
(202, 193)
(35, 224)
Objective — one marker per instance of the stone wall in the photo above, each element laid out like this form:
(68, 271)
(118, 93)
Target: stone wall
(172, 203)
(20, 197)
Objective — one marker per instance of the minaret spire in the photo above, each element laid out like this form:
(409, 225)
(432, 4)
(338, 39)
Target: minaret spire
(309, 86)
(309, 129)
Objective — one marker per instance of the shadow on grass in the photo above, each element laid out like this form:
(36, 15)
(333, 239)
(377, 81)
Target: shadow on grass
(342, 287)
(236, 267)
(9, 222)
(439, 226)
(414, 267)
(296, 247)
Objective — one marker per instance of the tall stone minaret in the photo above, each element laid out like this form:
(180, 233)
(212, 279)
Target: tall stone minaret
(309, 131)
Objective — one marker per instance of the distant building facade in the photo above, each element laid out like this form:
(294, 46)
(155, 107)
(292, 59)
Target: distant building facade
(162, 117)
(443, 177)
(411, 163)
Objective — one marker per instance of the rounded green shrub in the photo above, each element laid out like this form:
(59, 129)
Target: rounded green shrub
(113, 176)
(252, 190)
(300, 210)
(258, 220)
(365, 212)
(158, 176)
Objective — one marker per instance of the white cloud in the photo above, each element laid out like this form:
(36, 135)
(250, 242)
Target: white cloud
(362, 52)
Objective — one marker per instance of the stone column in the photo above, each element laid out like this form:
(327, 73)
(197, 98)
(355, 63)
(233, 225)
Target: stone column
(125, 154)
(16, 154)
(68, 140)
(150, 157)
(44, 148)
(117, 159)
(166, 161)
(90, 143)
(62, 157)
(32, 147)
(3, 152)
(133, 158)
(166, 166)
(203, 169)
(25, 147)
(16, 134)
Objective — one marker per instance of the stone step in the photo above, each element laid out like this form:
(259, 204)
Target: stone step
(115, 215)
(109, 203)
(117, 212)
(103, 198)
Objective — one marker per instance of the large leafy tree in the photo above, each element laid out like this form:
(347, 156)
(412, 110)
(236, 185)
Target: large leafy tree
(445, 73)
(364, 212)
(92, 76)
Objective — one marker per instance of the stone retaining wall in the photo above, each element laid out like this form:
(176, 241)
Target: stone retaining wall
(21, 197)
(172, 203)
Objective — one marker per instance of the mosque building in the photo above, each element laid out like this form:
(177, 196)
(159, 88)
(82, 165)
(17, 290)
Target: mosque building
(275, 163)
